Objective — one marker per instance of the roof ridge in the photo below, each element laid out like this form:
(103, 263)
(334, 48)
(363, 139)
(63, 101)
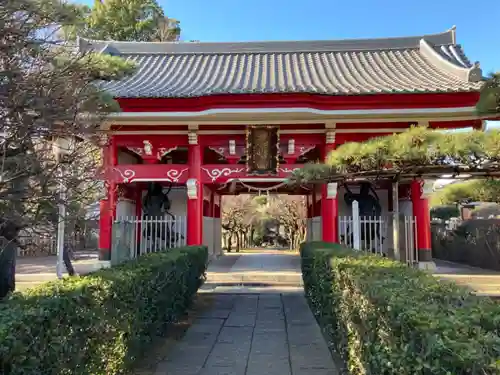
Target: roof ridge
(450, 33)
(375, 44)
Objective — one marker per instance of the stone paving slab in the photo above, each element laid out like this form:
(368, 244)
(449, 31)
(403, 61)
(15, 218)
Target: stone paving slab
(252, 334)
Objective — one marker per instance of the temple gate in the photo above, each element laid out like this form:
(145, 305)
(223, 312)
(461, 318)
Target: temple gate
(201, 120)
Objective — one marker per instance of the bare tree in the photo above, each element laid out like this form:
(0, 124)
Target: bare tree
(47, 92)
(243, 214)
(238, 214)
(291, 213)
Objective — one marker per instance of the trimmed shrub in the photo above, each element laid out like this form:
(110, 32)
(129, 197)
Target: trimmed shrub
(98, 324)
(445, 212)
(474, 242)
(383, 317)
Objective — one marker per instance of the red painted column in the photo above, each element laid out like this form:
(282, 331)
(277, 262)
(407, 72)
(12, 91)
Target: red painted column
(108, 206)
(329, 202)
(420, 205)
(104, 228)
(195, 194)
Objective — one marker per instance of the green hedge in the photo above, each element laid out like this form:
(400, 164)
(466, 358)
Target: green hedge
(382, 317)
(98, 324)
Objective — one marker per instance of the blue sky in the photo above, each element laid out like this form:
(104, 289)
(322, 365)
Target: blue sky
(238, 20)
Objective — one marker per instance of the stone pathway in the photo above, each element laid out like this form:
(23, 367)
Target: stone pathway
(264, 272)
(249, 330)
(252, 334)
(31, 271)
(482, 282)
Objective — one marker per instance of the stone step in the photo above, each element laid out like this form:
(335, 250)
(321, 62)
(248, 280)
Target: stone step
(291, 278)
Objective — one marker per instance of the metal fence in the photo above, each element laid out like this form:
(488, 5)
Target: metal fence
(367, 233)
(409, 236)
(372, 234)
(134, 236)
(42, 241)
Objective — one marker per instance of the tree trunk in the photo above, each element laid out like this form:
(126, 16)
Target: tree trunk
(67, 262)
(252, 236)
(8, 255)
(237, 242)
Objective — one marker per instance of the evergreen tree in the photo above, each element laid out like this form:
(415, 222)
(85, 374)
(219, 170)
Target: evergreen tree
(47, 92)
(124, 20)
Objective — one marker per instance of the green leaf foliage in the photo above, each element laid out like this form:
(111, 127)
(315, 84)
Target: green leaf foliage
(383, 317)
(489, 101)
(445, 212)
(418, 149)
(98, 324)
(124, 20)
(468, 191)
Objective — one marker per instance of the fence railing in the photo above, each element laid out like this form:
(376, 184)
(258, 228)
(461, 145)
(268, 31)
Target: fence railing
(371, 234)
(43, 242)
(134, 236)
(366, 233)
(409, 234)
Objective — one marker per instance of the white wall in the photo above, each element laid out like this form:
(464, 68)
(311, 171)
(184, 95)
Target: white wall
(208, 235)
(405, 208)
(217, 236)
(309, 228)
(316, 228)
(125, 208)
(178, 199)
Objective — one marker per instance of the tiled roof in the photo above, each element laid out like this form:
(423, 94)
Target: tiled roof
(429, 63)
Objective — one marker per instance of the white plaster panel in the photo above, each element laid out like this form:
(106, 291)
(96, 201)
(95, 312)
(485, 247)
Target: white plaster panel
(405, 208)
(178, 199)
(217, 236)
(316, 228)
(208, 234)
(125, 208)
(309, 228)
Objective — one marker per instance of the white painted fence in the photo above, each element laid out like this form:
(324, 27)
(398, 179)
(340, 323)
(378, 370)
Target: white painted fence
(366, 233)
(134, 236)
(410, 240)
(372, 234)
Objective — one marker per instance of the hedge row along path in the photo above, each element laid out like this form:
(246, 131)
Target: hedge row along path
(261, 327)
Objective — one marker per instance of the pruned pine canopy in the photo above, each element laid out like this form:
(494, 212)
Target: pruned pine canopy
(489, 102)
(418, 152)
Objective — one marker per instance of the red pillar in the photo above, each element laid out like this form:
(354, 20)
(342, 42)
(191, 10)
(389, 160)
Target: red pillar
(420, 204)
(195, 195)
(104, 228)
(108, 207)
(329, 204)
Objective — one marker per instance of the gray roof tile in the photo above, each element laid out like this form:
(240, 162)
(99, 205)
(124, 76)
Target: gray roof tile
(432, 63)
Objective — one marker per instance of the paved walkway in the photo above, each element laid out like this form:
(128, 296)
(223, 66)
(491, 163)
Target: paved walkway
(264, 272)
(31, 271)
(252, 331)
(481, 281)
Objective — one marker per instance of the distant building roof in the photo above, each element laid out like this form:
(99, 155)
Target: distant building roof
(420, 64)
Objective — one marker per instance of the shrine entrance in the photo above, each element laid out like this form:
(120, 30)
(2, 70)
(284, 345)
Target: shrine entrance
(172, 196)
